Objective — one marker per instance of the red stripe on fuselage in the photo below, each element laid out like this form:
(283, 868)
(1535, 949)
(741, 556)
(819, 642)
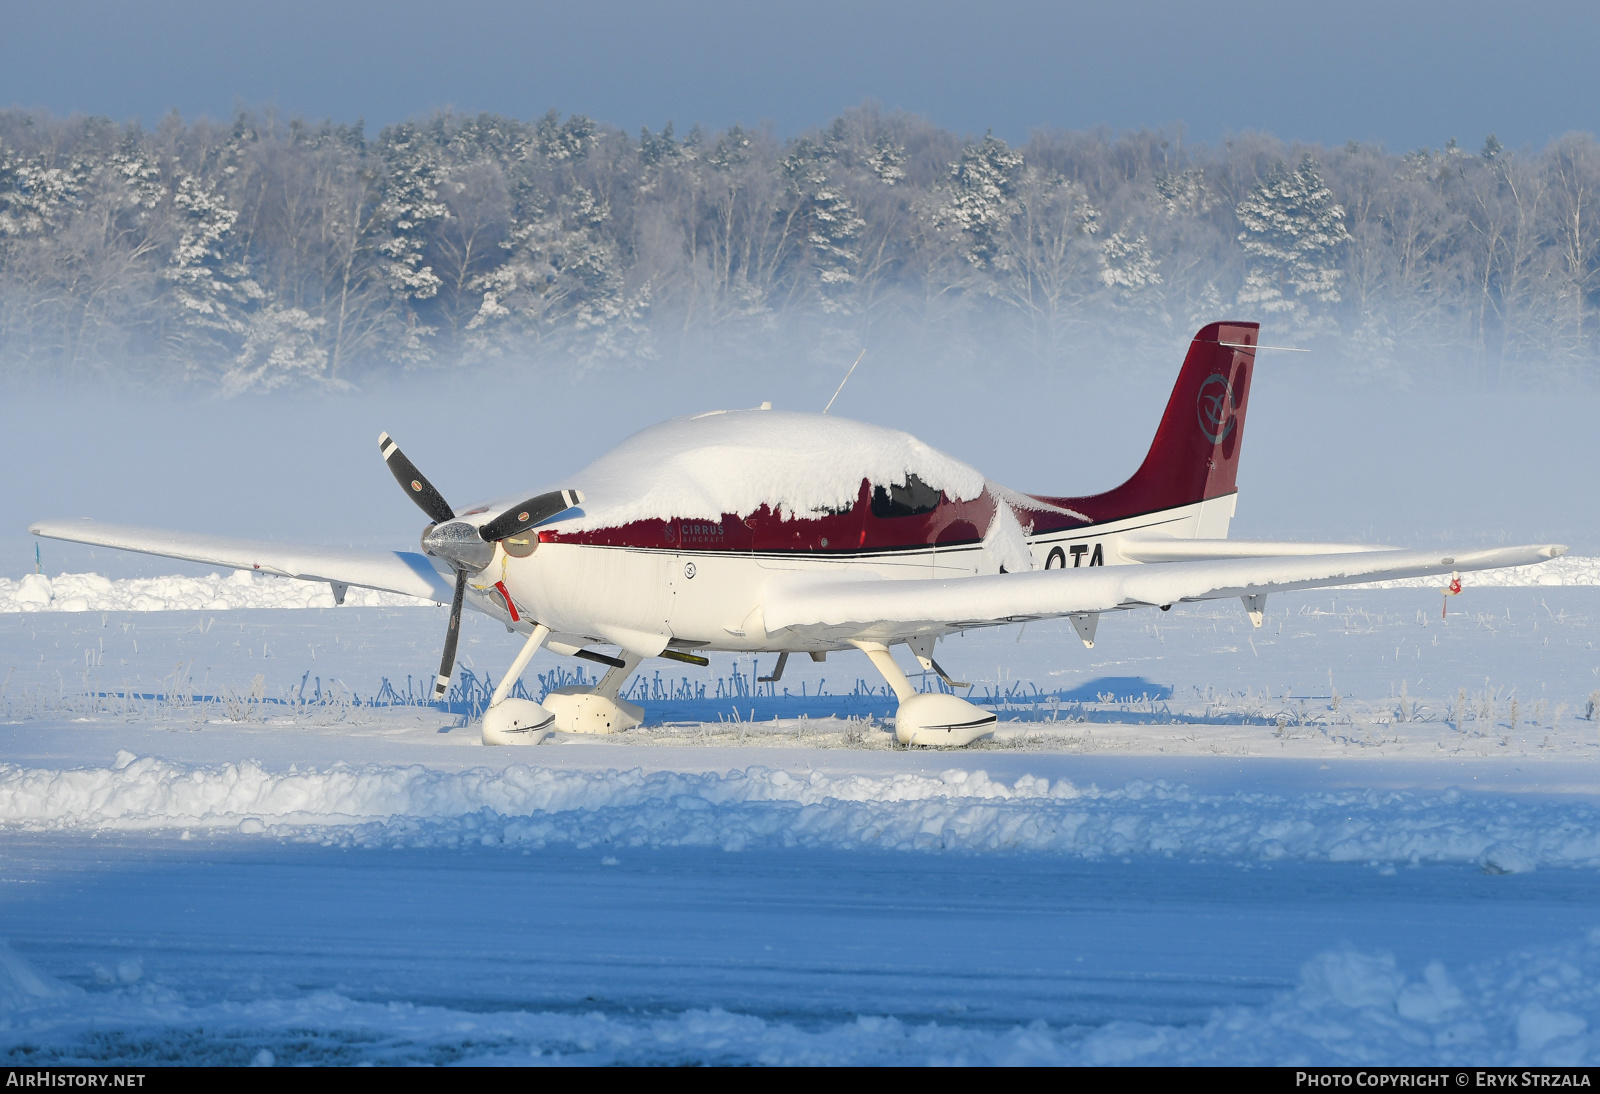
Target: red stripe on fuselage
(854, 531)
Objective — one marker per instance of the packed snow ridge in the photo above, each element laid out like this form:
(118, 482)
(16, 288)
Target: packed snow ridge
(242, 589)
(522, 806)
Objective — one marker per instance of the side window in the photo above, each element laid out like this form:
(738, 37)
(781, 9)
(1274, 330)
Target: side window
(912, 499)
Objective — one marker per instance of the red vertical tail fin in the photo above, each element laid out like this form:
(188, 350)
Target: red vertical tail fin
(1195, 454)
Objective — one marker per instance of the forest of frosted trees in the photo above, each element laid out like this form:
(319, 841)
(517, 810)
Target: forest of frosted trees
(268, 253)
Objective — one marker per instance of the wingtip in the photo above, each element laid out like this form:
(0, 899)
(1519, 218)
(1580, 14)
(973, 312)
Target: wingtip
(1555, 550)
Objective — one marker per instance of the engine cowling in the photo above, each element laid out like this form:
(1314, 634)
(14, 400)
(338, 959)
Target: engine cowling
(934, 718)
(516, 722)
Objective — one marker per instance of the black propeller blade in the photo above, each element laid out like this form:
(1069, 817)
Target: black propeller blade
(416, 486)
(467, 549)
(447, 664)
(520, 518)
(431, 502)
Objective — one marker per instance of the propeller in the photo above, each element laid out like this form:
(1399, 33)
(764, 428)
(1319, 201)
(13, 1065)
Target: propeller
(536, 510)
(468, 548)
(423, 492)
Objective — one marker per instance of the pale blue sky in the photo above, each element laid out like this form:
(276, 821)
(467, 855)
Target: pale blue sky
(1405, 74)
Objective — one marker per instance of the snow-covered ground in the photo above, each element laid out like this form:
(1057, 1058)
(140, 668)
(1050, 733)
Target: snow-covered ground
(1360, 833)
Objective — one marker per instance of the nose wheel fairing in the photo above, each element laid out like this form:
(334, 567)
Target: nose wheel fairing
(598, 709)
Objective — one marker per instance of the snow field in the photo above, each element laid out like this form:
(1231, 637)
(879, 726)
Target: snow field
(1194, 900)
(1539, 1006)
(960, 810)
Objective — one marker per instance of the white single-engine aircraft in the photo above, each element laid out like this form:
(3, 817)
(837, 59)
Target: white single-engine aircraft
(758, 530)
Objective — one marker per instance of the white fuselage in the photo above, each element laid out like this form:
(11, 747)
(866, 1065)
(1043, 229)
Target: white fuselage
(710, 599)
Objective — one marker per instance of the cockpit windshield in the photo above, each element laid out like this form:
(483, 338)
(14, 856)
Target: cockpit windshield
(912, 498)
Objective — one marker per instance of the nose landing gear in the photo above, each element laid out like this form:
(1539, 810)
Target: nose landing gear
(517, 721)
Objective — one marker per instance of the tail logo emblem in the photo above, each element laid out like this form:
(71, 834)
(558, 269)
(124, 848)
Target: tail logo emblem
(1215, 406)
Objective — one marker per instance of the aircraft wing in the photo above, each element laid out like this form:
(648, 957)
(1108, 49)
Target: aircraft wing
(1169, 549)
(406, 572)
(877, 610)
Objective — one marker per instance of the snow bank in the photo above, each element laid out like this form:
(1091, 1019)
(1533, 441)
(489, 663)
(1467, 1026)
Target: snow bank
(22, 986)
(240, 589)
(1349, 1007)
(1359, 1008)
(762, 807)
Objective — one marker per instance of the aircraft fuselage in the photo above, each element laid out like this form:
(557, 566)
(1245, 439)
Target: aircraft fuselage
(699, 582)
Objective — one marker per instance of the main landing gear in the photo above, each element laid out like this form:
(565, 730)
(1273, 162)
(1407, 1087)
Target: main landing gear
(922, 718)
(928, 717)
(573, 709)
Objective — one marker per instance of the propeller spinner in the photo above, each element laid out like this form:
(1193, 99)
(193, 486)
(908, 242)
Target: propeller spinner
(467, 547)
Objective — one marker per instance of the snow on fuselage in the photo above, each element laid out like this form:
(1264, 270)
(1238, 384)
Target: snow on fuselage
(686, 522)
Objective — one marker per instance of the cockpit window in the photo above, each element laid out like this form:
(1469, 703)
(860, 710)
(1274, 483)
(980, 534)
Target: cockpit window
(912, 499)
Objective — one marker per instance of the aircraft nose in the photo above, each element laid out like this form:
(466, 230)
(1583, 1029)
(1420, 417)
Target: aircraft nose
(458, 542)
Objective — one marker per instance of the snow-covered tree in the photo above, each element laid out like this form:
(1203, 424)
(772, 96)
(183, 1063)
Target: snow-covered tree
(1128, 264)
(482, 158)
(979, 197)
(826, 216)
(658, 149)
(411, 207)
(1292, 232)
(888, 160)
(562, 272)
(34, 196)
(1043, 256)
(281, 349)
(565, 142)
(209, 291)
(1183, 193)
(732, 150)
(283, 247)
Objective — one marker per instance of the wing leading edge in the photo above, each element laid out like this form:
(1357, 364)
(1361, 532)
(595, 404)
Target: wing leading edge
(888, 611)
(405, 572)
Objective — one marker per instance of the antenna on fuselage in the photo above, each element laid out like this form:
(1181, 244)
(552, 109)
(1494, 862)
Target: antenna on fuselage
(845, 381)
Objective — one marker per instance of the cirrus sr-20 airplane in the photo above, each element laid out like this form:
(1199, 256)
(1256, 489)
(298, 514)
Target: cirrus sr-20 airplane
(760, 530)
